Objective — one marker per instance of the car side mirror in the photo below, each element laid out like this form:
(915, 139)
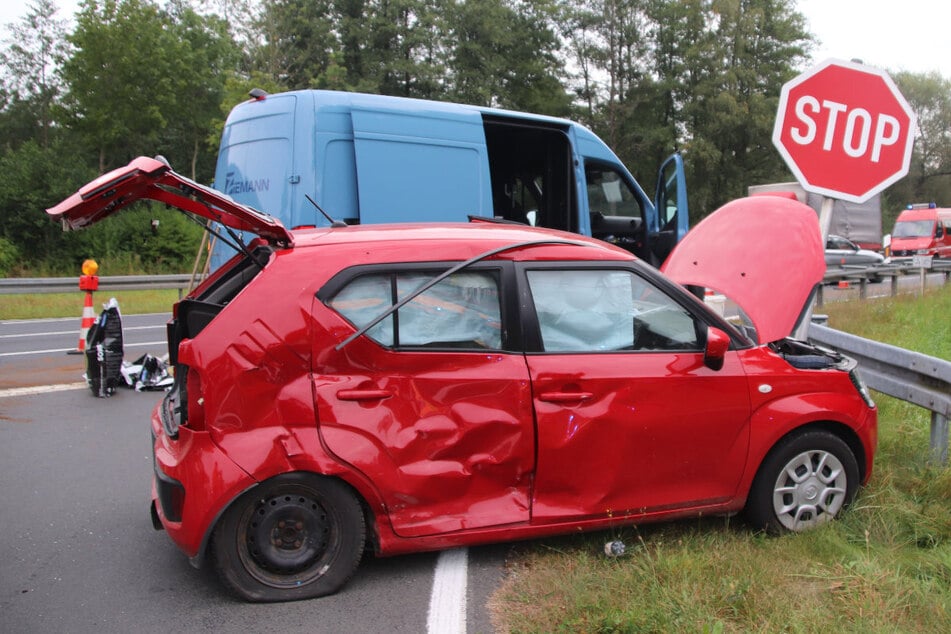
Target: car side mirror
(718, 342)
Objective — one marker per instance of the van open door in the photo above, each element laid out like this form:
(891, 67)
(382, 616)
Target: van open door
(669, 224)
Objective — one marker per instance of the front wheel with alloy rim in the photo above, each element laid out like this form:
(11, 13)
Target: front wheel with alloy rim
(296, 536)
(806, 480)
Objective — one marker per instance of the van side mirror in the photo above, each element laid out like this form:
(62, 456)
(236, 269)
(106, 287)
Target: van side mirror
(714, 353)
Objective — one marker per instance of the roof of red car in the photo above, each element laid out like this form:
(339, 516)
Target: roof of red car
(454, 241)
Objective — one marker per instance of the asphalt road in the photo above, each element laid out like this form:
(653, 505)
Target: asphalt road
(77, 549)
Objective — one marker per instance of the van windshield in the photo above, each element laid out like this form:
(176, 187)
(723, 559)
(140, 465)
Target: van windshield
(913, 229)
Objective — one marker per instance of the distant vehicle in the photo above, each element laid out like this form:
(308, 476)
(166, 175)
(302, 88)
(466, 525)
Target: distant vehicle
(370, 159)
(842, 251)
(922, 229)
(409, 387)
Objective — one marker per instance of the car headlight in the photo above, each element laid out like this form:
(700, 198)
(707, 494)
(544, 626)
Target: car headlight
(861, 387)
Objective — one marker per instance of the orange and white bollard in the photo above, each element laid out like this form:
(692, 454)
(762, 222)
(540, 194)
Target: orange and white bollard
(88, 282)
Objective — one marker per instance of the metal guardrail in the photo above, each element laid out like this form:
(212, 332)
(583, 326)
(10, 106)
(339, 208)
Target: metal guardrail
(25, 285)
(864, 275)
(906, 375)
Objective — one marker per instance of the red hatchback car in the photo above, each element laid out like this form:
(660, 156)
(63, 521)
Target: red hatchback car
(418, 387)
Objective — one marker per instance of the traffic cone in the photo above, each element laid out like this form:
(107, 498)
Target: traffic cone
(88, 318)
(843, 284)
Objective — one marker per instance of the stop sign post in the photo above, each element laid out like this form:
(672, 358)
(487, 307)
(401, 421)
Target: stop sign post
(844, 130)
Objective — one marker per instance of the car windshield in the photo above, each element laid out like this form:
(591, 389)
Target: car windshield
(913, 229)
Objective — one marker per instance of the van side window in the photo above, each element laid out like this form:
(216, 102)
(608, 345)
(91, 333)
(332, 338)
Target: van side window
(608, 194)
(462, 311)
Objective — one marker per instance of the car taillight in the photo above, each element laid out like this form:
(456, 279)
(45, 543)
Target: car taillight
(173, 412)
(176, 408)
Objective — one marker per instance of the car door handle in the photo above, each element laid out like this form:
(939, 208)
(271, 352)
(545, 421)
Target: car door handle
(363, 395)
(565, 397)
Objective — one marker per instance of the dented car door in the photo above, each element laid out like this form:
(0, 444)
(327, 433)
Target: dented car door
(630, 419)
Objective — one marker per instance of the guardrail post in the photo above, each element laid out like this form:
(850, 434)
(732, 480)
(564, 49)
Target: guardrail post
(939, 438)
(819, 297)
(863, 288)
(894, 284)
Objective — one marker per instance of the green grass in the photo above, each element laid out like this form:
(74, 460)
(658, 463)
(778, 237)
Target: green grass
(45, 305)
(885, 566)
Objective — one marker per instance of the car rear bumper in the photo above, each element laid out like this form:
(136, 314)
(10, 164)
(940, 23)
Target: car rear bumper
(194, 481)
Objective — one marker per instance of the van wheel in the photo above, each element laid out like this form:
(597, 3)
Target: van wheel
(806, 480)
(296, 536)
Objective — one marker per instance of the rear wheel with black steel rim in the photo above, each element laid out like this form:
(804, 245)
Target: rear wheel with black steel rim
(296, 536)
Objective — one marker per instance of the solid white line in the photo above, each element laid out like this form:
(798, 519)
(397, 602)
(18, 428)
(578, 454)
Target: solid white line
(124, 345)
(69, 332)
(447, 603)
(10, 322)
(42, 389)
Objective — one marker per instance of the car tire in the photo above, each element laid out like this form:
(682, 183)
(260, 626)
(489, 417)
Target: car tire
(296, 536)
(806, 480)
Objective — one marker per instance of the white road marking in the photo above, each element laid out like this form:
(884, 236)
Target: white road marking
(124, 345)
(69, 332)
(42, 389)
(447, 603)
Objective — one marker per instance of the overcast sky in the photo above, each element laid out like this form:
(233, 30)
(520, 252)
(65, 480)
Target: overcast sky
(895, 35)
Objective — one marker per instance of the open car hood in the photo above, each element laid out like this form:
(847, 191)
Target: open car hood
(147, 178)
(763, 252)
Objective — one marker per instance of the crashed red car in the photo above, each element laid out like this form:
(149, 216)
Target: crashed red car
(418, 387)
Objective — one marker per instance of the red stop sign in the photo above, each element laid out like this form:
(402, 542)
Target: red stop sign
(844, 130)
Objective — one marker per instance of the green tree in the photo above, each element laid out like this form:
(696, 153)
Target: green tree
(505, 54)
(206, 57)
(119, 81)
(34, 48)
(36, 177)
(929, 175)
(646, 50)
(730, 94)
(297, 43)
(144, 79)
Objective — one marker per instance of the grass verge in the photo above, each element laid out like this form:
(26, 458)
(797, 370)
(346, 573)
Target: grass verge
(47, 305)
(885, 566)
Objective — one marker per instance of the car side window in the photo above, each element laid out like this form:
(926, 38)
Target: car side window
(588, 310)
(461, 312)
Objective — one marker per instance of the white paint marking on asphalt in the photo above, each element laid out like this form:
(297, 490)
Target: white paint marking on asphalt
(447, 603)
(11, 322)
(42, 389)
(69, 332)
(124, 345)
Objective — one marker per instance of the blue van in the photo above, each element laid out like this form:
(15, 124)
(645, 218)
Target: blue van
(371, 159)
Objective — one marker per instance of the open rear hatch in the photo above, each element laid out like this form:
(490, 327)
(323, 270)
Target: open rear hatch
(153, 179)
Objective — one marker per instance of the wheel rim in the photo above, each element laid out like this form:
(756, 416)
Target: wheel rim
(287, 539)
(809, 490)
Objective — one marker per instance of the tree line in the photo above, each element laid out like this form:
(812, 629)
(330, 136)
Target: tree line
(83, 94)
